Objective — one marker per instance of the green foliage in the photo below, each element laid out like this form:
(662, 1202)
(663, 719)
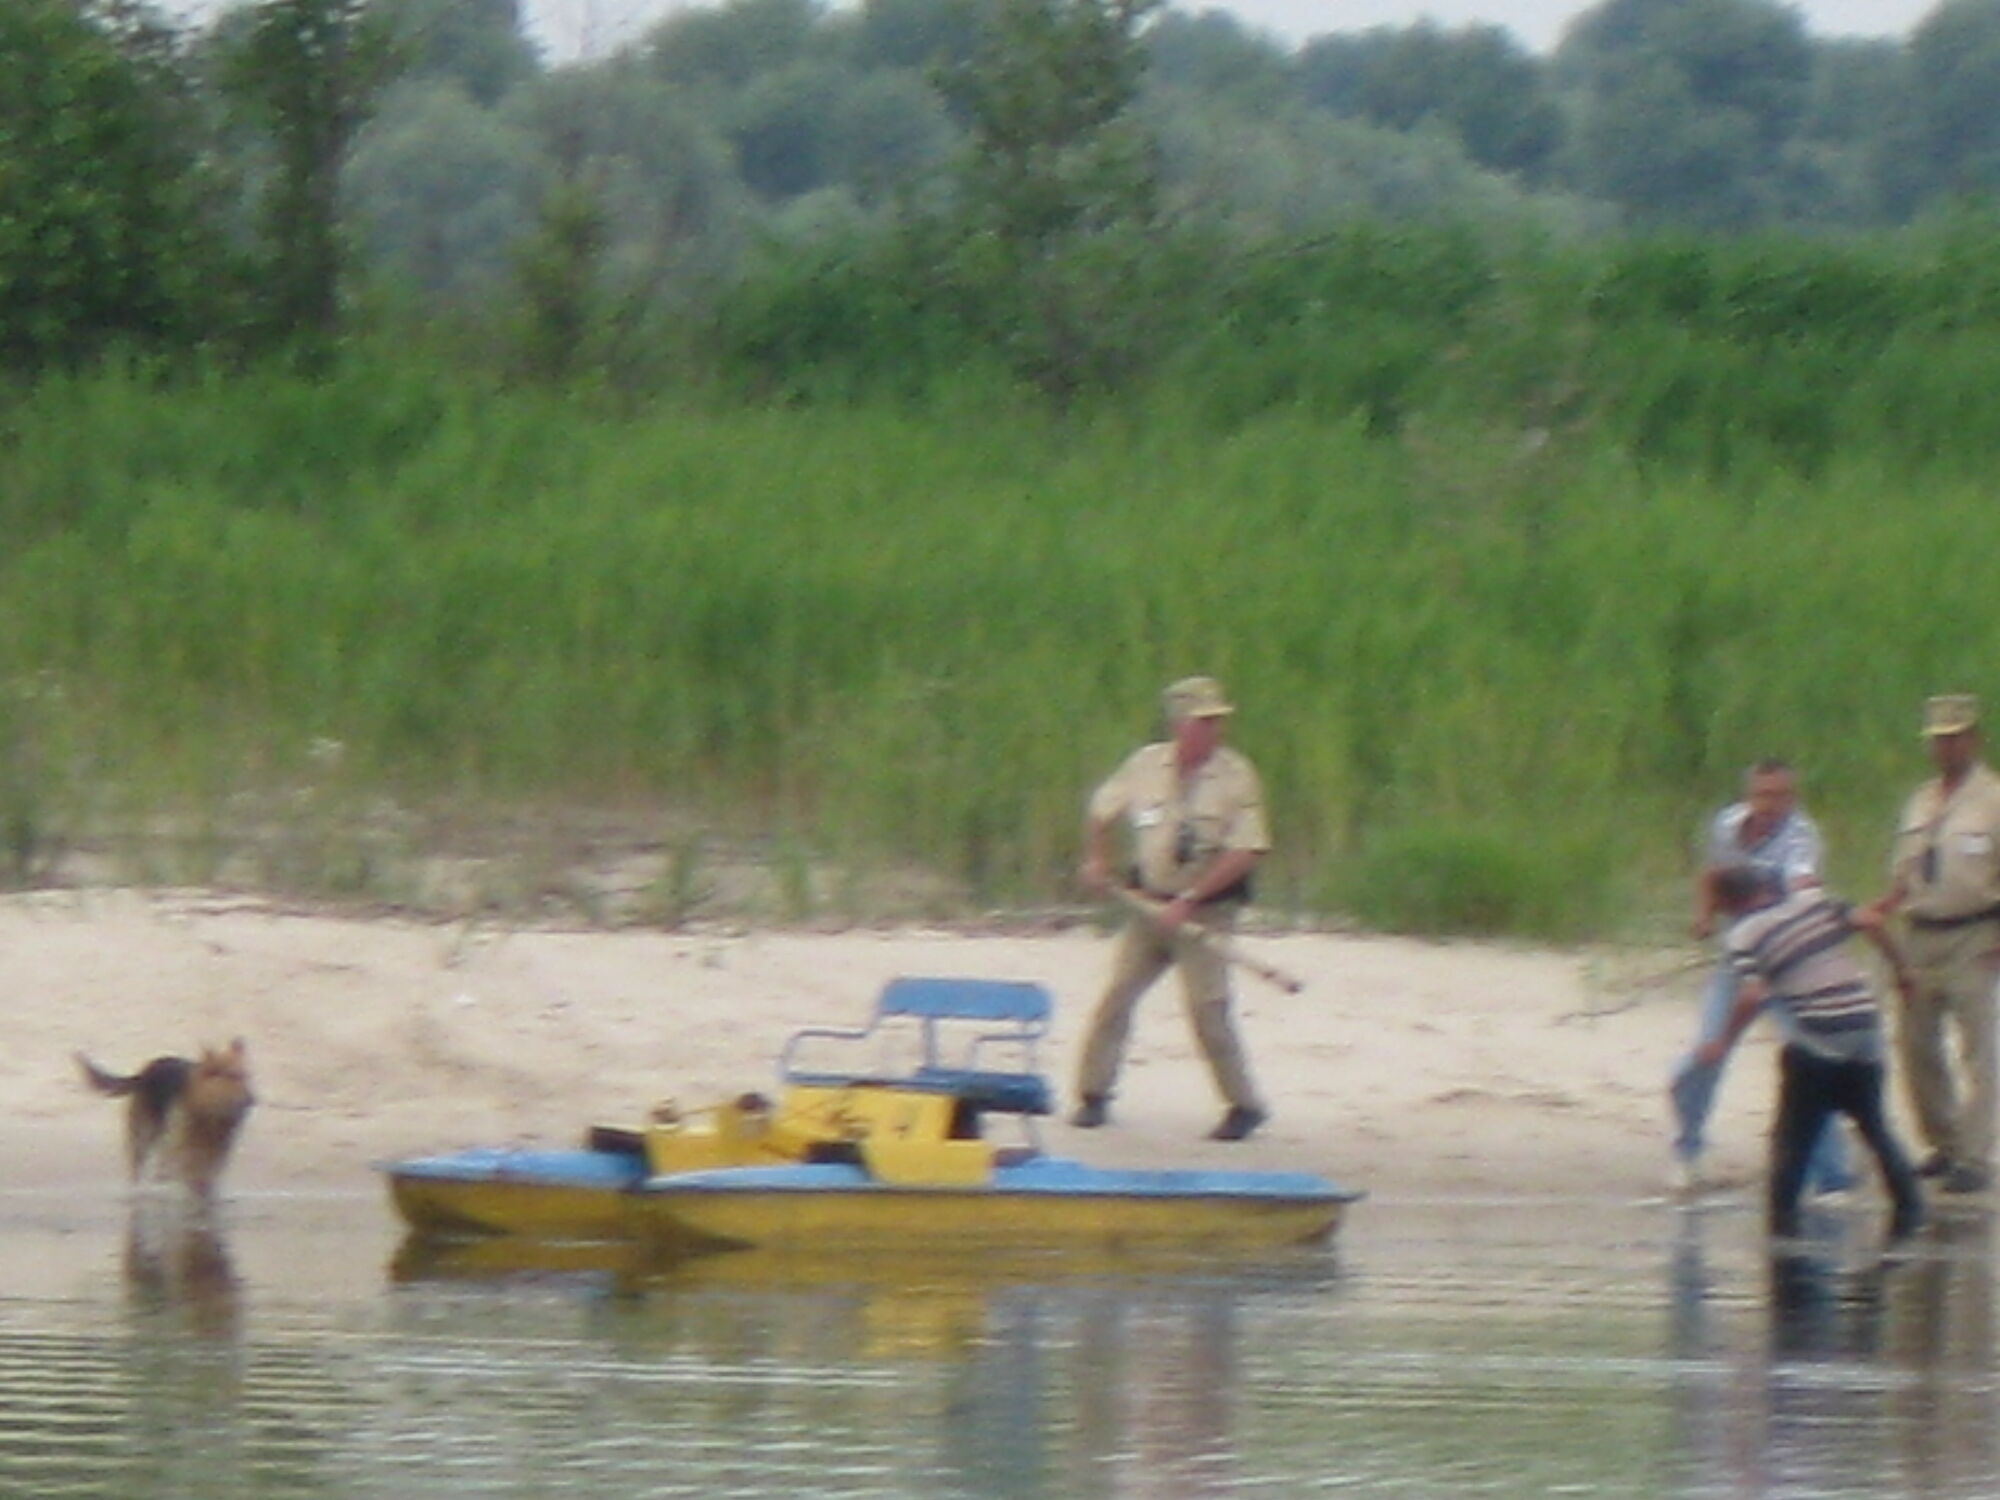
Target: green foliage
(439, 190)
(1757, 292)
(1060, 193)
(674, 202)
(1055, 151)
(309, 73)
(730, 45)
(843, 320)
(107, 232)
(1212, 56)
(558, 273)
(819, 124)
(1491, 684)
(1354, 323)
(1686, 105)
(1446, 880)
(1954, 57)
(1475, 82)
(1480, 530)
(476, 44)
(927, 35)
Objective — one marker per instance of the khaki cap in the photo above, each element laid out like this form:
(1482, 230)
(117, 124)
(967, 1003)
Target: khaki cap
(1950, 713)
(1196, 698)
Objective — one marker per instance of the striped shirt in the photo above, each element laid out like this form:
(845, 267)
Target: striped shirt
(1797, 947)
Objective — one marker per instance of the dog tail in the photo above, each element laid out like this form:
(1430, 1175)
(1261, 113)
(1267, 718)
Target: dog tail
(103, 1082)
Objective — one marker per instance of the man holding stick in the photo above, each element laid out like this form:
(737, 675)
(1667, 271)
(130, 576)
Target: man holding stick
(1195, 809)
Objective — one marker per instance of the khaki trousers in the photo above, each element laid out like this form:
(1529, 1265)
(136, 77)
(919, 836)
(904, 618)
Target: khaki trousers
(1951, 984)
(1141, 956)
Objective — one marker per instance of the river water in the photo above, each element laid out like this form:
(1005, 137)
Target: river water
(1439, 1349)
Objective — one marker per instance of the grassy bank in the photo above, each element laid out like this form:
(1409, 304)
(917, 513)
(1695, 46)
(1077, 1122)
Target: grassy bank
(1492, 683)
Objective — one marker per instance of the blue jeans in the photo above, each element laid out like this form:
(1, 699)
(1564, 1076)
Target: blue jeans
(1693, 1093)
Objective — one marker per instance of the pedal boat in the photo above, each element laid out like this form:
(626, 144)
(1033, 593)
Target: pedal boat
(877, 1159)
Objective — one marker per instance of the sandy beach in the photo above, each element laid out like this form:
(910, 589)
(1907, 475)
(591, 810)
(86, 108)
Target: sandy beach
(1409, 1069)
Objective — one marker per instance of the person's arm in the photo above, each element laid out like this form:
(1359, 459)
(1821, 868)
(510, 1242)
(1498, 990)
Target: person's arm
(1108, 807)
(1908, 830)
(1873, 924)
(1709, 859)
(1705, 906)
(1094, 873)
(1222, 872)
(1883, 907)
(1750, 997)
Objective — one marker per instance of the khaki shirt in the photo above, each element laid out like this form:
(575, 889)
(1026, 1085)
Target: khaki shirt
(1947, 853)
(1221, 807)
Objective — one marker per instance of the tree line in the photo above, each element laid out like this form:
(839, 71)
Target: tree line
(1041, 180)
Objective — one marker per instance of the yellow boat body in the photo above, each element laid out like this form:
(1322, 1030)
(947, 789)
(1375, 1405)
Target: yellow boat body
(860, 1165)
(982, 1218)
(513, 1206)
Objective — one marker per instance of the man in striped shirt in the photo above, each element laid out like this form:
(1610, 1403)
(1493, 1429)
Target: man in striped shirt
(1766, 829)
(1789, 948)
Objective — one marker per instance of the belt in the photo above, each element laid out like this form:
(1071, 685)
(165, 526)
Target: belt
(1964, 919)
(1213, 901)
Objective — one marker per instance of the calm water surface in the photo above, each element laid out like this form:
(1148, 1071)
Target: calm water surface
(1442, 1349)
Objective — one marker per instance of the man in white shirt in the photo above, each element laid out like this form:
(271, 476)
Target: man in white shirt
(1768, 832)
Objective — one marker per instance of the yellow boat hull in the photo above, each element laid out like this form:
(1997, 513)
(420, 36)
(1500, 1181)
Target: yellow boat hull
(1035, 1204)
(539, 1211)
(947, 1219)
(862, 1166)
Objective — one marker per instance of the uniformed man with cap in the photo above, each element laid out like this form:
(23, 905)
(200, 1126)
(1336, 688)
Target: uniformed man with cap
(1193, 809)
(1945, 878)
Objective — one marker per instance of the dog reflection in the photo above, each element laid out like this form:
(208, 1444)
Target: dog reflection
(177, 1261)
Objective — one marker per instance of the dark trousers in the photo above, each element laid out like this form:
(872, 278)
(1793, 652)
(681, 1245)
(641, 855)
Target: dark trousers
(1810, 1088)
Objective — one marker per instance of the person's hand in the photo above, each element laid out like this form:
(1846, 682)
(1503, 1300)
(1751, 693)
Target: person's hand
(1094, 875)
(1711, 1054)
(1174, 913)
(1702, 926)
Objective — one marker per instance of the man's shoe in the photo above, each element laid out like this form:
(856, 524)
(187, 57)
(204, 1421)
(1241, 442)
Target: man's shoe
(1937, 1164)
(1091, 1113)
(1966, 1178)
(1239, 1124)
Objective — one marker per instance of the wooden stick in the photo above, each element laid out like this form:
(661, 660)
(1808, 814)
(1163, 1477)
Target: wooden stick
(1221, 943)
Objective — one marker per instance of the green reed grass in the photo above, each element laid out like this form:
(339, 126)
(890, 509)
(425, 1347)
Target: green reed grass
(1493, 679)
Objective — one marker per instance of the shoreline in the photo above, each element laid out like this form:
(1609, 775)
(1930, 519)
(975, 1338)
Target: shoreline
(1404, 1068)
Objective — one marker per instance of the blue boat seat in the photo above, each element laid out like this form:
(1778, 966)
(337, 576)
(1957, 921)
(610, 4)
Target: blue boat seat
(1004, 1093)
(959, 1025)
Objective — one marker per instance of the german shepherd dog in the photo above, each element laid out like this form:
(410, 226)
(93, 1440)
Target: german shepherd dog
(183, 1115)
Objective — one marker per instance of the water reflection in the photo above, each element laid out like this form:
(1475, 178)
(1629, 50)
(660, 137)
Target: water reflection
(1488, 1349)
(178, 1266)
(1872, 1374)
(1940, 1327)
(1073, 1374)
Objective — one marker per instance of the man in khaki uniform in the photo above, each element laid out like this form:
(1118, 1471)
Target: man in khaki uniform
(1945, 877)
(1195, 811)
